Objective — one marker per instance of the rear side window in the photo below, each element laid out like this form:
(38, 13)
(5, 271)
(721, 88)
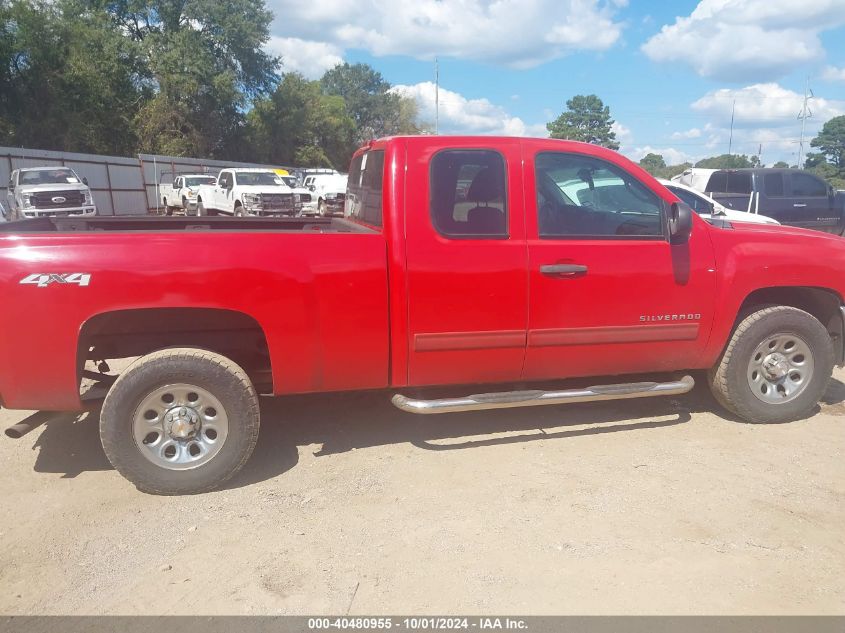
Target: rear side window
(364, 187)
(729, 182)
(773, 185)
(807, 186)
(468, 194)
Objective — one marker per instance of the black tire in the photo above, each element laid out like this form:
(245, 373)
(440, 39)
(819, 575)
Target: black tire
(321, 208)
(202, 211)
(212, 372)
(239, 211)
(185, 208)
(729, 379)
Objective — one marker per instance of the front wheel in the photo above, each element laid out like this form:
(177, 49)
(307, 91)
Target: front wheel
(201, 210)
(321, 208)
(776, 366)
(180, 421)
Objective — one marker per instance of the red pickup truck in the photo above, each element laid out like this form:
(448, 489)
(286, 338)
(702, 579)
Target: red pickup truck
(461, 261)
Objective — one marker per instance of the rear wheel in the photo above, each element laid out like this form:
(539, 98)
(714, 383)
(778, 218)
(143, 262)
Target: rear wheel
(776, 366)
(180, 421)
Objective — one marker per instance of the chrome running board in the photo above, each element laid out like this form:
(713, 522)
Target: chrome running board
(507, 399)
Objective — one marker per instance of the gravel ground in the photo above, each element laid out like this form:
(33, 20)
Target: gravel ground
(350, 506)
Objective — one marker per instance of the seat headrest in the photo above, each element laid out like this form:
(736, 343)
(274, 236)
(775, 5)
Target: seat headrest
(486, 221)
(486, 186)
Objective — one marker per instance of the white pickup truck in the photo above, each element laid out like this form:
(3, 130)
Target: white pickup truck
(36, 192)
(244, 192)
(182, 192)
(329, 191)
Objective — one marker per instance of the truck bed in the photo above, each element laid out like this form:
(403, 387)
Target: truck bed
(167, 223)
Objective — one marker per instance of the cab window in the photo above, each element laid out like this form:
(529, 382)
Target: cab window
(807, 186)
(585, 197)
(468, 194)
(364, 187)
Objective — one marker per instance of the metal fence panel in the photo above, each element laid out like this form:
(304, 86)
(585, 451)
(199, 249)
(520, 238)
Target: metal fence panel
(120, 185)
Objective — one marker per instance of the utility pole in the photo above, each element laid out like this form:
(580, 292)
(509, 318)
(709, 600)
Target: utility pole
(436, 96)
(731, 139)
(805, 114)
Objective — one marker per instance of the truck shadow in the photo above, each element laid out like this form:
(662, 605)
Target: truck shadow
(336, 423)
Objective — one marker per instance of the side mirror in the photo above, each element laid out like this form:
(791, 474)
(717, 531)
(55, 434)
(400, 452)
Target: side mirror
(312, 187)
(680, 223)
(85, 180)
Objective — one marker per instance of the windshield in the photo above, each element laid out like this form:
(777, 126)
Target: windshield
(258, 178)
(200, 180)
(48, 177)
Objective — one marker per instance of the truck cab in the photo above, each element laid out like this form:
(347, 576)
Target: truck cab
(794, 197)
(181, 193)
(48, 192)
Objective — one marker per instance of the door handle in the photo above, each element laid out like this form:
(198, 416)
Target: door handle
(799, 205)
(563, 270)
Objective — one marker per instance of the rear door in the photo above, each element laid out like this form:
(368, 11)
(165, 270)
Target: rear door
(466, 261)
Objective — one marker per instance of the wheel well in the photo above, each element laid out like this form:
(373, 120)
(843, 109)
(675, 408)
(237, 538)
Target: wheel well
(132, 333)
(822, 303)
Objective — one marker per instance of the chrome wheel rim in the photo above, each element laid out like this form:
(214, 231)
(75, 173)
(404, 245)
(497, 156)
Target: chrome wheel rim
(780, 368)
(180, 426)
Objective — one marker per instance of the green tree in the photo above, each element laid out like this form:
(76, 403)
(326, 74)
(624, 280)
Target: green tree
(587, 119)
(831, 141)
(204, 61)
(376, 110)
(69, 80)
(299, 125)
(653, 163)
(781, 164)
(726, 161)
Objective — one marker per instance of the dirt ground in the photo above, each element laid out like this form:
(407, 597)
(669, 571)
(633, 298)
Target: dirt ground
(350, 506)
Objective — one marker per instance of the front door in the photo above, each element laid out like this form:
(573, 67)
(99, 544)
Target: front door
(608, 293)
(809, 204)
(466, 259)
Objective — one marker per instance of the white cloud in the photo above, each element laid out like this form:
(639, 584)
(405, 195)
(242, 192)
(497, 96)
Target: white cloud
(767, 105)
(736, 40)
(623, 134)
(514, 33)
(670, 155)
(691, 133)
(312, 59)
(459, 115)
(832, 73)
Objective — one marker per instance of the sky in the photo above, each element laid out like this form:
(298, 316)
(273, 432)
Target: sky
(670, 71)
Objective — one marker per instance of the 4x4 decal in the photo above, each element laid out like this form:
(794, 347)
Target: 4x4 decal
(42, 280)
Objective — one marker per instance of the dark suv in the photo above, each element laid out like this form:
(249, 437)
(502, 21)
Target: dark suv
(790, 196)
